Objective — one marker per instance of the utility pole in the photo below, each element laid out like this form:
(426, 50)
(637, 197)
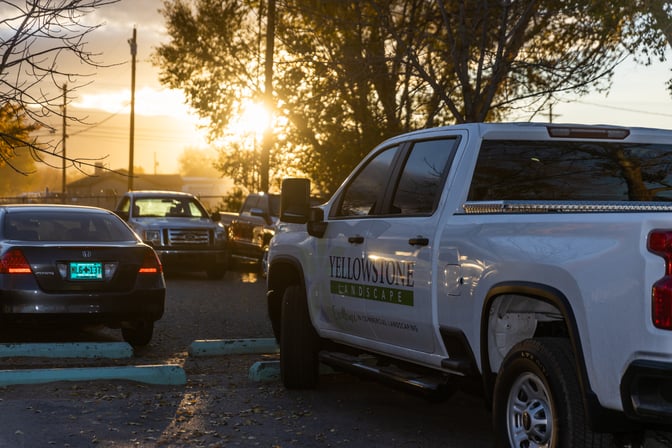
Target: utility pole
(65, 135)
(550, 114)
(267, 142)
(134, 50)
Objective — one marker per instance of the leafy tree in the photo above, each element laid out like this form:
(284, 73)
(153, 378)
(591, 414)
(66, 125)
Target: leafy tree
(197, 163)
(213, 58)
(15, 156)
(351, 73)
(36, 36)
(14, 134)
(652, 28)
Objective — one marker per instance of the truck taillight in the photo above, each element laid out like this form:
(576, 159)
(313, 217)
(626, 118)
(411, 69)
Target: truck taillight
(151, 264)
(13, 262)
(660, 243)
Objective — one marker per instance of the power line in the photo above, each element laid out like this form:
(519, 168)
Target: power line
(624, 109)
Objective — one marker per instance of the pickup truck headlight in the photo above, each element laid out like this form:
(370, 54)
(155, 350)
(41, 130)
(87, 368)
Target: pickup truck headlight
(152, 236)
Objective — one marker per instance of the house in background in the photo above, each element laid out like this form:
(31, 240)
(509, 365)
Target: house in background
(104, 188)
(109, 183)
(210, 190)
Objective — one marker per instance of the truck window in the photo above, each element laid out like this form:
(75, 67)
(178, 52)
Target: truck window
(366, 188)
(572, 171)
(422, 178)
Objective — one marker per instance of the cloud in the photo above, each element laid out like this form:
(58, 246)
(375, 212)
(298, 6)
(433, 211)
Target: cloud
(148, 102)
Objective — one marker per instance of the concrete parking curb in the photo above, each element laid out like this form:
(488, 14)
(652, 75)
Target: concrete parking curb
(167, 374)
(214, 347)
(113, 350)
(262, 371)
(154, 374)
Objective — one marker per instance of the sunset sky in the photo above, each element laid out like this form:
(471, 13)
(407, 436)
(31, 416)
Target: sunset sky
(164, 127)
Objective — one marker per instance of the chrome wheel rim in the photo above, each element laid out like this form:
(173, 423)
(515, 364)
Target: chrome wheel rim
(529, 413)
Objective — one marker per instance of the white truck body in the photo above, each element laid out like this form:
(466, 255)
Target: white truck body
(455, 288)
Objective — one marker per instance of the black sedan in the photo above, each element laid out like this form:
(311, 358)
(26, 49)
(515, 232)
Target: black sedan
(84, 265)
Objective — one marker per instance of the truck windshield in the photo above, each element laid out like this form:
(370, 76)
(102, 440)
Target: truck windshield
(168, 207)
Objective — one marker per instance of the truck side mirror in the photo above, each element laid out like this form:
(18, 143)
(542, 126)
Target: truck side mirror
(295, 201)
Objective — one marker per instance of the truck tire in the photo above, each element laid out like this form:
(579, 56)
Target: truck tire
(216, 272)
(299, 342)
(537, 399)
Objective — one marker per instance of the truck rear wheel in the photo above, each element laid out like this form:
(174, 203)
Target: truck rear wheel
(537, 399)
(299, 342)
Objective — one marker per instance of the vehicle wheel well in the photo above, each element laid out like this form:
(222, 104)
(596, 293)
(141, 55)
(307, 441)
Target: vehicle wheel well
(514, 312)
(513, 318)
(281, 275)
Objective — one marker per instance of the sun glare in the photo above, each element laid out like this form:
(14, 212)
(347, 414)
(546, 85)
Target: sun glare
(254, 120)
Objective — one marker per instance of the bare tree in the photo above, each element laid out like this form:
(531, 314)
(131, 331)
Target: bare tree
(38, 38)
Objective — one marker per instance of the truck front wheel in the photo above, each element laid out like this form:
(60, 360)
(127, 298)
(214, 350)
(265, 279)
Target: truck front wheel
(299, 342)
(537, 399)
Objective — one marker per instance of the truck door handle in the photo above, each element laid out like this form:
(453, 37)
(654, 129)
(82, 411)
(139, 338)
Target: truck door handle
(419, 241)
(357, 239)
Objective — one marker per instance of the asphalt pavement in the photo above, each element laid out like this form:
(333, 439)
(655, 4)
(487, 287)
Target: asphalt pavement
(224, 400)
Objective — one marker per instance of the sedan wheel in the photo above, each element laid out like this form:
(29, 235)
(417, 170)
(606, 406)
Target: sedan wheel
(138, 334)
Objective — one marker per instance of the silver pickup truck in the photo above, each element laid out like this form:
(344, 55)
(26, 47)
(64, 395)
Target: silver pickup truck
(179, 228)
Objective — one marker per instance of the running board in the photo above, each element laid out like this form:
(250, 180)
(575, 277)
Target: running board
(369, 366)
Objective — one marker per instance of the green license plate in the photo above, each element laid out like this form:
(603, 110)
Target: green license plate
(86, 271)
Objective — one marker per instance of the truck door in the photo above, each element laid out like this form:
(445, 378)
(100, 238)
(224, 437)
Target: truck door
(340, 254)
(400, 245)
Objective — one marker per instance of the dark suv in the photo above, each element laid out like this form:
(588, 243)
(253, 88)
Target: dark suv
(251, 231)
(179, 228)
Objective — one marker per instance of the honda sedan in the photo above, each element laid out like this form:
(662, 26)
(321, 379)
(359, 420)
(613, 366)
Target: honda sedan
(61, 263)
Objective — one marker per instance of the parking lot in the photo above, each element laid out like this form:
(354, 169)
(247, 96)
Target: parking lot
(220, 404)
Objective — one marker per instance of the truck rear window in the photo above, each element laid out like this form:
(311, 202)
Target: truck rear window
(572, 171)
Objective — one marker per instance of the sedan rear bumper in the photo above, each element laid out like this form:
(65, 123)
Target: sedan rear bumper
(107, 308)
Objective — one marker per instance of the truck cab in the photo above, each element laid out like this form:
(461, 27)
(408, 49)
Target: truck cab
(250, 232)
(179, 228)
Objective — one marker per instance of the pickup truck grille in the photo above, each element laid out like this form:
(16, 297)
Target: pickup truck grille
(191, 237)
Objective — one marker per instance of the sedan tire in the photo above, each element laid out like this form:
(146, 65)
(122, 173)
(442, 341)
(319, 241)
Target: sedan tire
(138, 334)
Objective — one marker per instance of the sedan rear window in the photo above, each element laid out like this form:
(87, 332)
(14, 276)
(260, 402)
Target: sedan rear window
(58, 226)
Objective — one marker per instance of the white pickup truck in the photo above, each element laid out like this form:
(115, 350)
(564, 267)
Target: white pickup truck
(533, 260)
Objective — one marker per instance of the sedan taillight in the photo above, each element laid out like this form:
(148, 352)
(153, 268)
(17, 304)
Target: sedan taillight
(13, 262)
(151, 264)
